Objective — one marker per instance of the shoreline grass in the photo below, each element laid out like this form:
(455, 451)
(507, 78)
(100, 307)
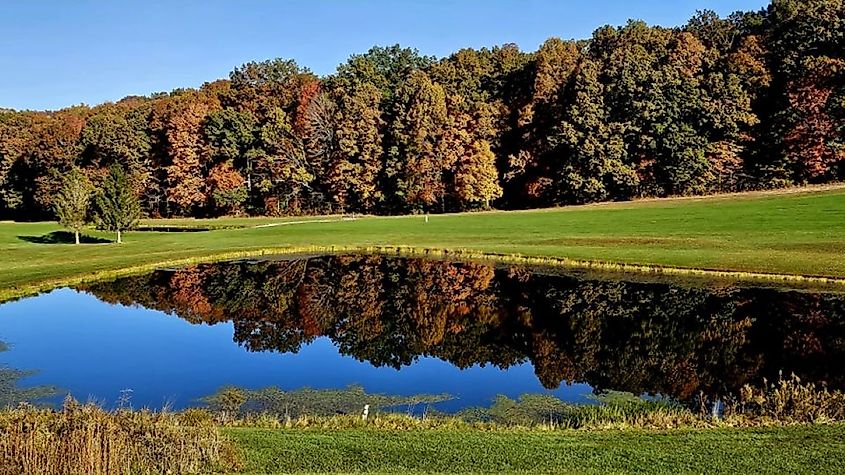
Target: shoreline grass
(86, 439)
(405, 251)
(535, 433)
(790, 237)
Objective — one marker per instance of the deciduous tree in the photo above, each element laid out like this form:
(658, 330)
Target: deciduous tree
(118, 209)
(73, 201)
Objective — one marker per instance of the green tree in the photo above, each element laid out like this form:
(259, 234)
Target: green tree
(118, 209)
(72, 202)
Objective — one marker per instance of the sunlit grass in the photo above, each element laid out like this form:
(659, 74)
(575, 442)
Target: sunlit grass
(797, 233)
(800, 449)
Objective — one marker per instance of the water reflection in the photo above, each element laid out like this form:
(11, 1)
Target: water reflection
(638, 337)
(11, 393)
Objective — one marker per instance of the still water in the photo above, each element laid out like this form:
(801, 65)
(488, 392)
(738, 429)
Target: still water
(410, 326)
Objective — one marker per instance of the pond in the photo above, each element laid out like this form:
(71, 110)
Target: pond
(404, 326)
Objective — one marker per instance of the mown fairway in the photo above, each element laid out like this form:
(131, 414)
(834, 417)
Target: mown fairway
(799, 233)
(806, 449)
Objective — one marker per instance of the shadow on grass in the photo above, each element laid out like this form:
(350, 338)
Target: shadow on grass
(63, 237)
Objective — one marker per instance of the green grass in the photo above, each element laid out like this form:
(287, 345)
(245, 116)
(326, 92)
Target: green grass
(797, 449)
(789, 233)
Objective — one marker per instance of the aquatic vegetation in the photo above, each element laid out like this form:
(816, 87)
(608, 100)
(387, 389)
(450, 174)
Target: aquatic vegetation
(787, 402)
(273, 401)
(86, 439)
(532, 410)
(11, 393)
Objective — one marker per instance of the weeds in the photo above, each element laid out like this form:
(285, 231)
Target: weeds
(549, 412)
(231, 402)
(787, 401)
(84, 439)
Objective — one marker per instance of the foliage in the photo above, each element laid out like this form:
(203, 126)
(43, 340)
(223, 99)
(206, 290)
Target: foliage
(752, 100)
(118, 209)
(73, 201)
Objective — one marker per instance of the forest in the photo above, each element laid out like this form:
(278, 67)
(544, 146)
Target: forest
(750, 101)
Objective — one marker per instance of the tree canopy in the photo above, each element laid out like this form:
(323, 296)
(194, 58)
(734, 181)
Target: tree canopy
(753, 100)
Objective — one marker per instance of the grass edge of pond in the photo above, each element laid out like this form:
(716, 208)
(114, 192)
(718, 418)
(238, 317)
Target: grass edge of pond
(13, 293)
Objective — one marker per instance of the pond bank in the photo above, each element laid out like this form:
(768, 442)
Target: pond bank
(407, 251)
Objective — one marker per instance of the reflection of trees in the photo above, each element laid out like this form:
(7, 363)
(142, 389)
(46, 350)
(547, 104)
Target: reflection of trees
(636, 337)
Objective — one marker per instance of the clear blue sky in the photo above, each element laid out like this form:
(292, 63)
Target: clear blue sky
(55, 53)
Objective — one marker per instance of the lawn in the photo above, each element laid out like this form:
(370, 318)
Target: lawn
(788, 233)
(799, 449)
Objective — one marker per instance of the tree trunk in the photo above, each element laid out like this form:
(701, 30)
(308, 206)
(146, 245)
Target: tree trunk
(119, 240)
(76, 235)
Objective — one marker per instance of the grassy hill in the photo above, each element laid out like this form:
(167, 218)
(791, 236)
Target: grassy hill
(797, 232)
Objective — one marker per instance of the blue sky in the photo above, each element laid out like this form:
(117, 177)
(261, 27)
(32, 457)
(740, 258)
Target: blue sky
(55, 53)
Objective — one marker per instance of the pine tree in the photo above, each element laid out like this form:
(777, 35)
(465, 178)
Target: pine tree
(118, 208)
(71, 203)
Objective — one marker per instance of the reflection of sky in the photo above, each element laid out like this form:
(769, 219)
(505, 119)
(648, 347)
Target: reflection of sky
(94, 349)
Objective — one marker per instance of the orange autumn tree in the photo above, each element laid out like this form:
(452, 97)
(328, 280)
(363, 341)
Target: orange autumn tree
(179, 121)
(811, 142)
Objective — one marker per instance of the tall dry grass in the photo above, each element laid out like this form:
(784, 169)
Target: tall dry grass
(85, 439)
(787, 401)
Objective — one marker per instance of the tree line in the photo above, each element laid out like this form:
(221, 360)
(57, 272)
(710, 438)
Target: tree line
(752, 100)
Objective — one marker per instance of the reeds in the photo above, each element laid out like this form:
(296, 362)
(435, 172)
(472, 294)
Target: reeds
(409, 251)
(787, 401)
(84, 439)
(549, 412)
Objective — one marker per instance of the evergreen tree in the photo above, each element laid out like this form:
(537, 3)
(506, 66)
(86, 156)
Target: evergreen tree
(118, 208)
(72, 202)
